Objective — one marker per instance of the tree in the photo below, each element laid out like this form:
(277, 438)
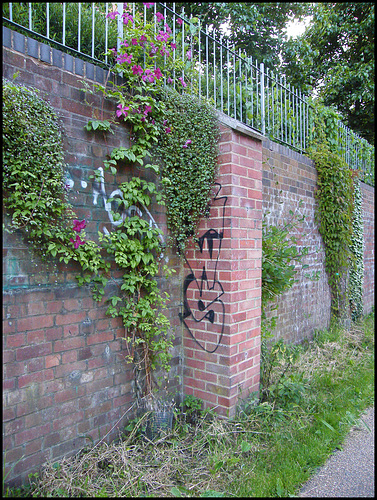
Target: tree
(257, 28)
(334, 60)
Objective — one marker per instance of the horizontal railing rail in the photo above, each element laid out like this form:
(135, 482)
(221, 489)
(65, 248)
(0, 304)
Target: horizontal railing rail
(236, 84)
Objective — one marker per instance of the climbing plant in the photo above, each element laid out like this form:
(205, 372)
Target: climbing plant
(37, 203)
(356, 277)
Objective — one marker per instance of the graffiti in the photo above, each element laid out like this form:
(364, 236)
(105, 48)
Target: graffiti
(112, 203)
(202, 291)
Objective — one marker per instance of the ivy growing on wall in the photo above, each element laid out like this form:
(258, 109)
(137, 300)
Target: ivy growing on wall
(356, 278)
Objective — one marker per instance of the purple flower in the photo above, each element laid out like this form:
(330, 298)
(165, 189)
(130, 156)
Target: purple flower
(157, 73)
(134, 41)
(159, 16)
(112, 15)
(170, 80)
(122, 111)
(147, 110)
(184, 84)
(137, 70)
(148, 4)
(125, 43)
(167, 130)
(148, 76)
(77, 225)
(179, 21)
(167, 28)
(143, 38)
(77, 242)
(122, 58)
(187, 143)
(188, 54)
(173, 46)
(127, 17)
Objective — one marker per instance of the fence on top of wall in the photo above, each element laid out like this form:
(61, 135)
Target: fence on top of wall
(237, 84)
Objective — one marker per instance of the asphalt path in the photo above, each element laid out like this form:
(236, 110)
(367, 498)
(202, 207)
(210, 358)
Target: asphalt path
(348, 472)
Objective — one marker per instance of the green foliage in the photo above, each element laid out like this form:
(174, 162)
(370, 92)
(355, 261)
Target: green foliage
(335, 57)
(334, 218)
(187, 173)
(356, 278)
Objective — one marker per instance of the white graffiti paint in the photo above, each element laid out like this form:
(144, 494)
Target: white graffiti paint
(100, 189)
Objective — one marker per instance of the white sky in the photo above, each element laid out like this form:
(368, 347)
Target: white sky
(294, 28)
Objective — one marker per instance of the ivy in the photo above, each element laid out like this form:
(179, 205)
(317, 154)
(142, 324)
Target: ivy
(356, 277)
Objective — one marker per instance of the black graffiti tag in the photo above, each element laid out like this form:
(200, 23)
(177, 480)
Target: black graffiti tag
(203, 305)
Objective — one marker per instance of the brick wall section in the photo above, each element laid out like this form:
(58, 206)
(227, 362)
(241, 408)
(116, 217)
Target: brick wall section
(289, 177)
(64, 373)
(368, 219)
(223, 279)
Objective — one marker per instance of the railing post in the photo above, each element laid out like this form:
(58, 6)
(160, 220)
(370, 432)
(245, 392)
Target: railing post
(119, 25)
(263, 115)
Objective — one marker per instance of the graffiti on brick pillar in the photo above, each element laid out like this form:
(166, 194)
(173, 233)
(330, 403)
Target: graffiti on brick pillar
(111, 207)
(203, 309)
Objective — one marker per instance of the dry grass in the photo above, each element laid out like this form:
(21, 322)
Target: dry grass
(192, 460)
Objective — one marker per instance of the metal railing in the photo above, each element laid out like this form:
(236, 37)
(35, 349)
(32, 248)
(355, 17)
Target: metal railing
(235, 83)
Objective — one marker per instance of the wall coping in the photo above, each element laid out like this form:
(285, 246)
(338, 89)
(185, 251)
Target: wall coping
(239, 126)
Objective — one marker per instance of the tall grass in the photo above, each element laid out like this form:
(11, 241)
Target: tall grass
(271, 448)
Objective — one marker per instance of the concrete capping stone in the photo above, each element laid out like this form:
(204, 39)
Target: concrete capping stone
(239, 126)
(57, 58)
(7, 37)
(79, 67)
(32, 47)
(19, 42)
(89, 70)
(100, 74)
(68, 62)
(45, 53)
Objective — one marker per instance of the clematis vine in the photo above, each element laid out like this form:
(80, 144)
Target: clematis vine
(78, 225)
(179, 21)
(184, 84)
(188, 54)
(187, 143)
(113, 14)
(77, 242)
(137, 70)
(159, 16)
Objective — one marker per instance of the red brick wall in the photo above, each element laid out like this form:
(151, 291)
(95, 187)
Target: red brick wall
(64, 372)
(368, 218)
(222, 284)
(289, 177)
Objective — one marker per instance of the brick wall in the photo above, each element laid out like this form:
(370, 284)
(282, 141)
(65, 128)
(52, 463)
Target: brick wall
(64, 373)
(289, 177)
(222, 285)
(368, 219)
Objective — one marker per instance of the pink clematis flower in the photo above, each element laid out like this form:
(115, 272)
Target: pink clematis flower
(77, 242)
(173, 46)
(113, 14)
(148, 76)
(187, 143)
(167, 130)
(147, 110)
(157, 73)
(159, 16)
(78, 225)
(137, 70)
(123, 110)
(184, 84)
(148, 4)
(188, 54)
(179, 21)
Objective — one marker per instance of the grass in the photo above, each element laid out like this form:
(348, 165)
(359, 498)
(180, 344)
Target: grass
(269, 449)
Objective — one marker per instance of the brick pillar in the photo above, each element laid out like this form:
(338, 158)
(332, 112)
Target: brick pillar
(222, 286)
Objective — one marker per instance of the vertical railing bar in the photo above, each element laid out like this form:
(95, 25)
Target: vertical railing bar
(192, 58)
(281, 137)
(221, 72)
(246, 88)
(227, 73)
(240, 63)
(257, 97)
(10, 11)
(119, 26)
(199, 59)
(234, 82)
(268, 100)
(174, 56)
(164, 52)
(214, 66)
(183, 42)
(79, 28)
(252, 93)
(93, 28)
(106, 30)
(262, 104)
(285, 109)
(30, 17)
(47, 19)
(207, 62)
(289, 126)
(63, 23)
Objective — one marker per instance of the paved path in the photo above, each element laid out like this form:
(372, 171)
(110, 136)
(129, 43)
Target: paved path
(349, 472)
